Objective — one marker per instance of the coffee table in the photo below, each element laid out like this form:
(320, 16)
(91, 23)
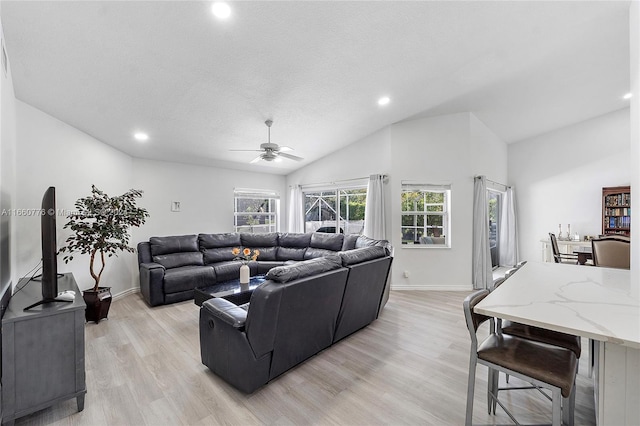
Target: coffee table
(231, 290)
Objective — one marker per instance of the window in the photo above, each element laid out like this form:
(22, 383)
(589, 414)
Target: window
(426, 215)
(494, 205)
(339, 210)
(255, 211)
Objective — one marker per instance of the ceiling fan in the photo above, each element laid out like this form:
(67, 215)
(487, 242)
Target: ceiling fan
(271, 151)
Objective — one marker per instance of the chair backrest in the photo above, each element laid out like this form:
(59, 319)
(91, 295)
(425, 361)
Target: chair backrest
(611, 252)
(554, 247)
(473, 319)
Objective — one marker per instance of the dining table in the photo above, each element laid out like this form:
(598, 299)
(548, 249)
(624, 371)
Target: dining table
(592, 302)
(584, 253)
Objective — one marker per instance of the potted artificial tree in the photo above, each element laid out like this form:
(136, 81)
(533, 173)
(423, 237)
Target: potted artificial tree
(100, 226)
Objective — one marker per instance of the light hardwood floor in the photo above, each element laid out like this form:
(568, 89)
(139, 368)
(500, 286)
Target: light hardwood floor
(409, 366)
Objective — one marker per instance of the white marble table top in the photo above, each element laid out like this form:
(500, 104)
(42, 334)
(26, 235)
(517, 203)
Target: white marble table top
(592, 302)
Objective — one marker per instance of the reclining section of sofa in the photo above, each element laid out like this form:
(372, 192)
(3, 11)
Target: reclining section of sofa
(287, 322)
(300, 310)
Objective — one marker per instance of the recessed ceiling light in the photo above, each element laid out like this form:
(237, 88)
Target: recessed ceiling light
(384, 100)
(627, 96)
(139, 136)
(221, 10)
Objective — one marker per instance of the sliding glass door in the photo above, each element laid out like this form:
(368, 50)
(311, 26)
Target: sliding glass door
(495, 206)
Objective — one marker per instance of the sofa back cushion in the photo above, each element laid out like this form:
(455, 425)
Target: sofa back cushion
(218, 247)
(292, 246)
(176, 251)
(267, 244)
(326, 241)
(349, 242)
(353, 257)
(174, 244)
(364, 241)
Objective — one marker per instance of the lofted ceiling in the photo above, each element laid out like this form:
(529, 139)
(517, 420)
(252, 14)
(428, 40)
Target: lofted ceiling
(200, 86)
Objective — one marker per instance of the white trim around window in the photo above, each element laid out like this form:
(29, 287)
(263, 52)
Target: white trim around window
(425, 215)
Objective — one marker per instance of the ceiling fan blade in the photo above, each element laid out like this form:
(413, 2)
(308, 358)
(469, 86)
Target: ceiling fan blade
(291, 157)
(285, 149)
(255, 160)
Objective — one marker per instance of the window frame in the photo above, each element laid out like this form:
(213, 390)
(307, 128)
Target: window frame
(421, 222)
(339, 222)
(273, 199)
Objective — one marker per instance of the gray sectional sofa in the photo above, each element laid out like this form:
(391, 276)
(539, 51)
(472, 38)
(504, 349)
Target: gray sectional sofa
(172, 267)
(300, 310)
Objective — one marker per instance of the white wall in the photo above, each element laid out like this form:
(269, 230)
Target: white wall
(634, 43)
(205, 195)
(558, 178)
(445, 149)
(52, 153)
(7, 175)
(367, 156)
(450, 148)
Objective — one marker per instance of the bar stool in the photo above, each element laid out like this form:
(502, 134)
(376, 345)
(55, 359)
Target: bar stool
(536, 334)
(543, 365)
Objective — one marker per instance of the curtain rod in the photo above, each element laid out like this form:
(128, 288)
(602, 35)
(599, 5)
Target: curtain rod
(336, 182)
(494, 182)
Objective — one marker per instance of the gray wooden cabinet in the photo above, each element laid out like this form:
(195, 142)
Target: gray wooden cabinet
(42, 351)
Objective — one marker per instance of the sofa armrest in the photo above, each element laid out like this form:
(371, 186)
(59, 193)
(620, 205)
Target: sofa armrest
(226, 311)
(151, 283)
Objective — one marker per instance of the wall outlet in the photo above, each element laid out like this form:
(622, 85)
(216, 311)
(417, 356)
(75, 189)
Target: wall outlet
(175, 206)
(406, 274)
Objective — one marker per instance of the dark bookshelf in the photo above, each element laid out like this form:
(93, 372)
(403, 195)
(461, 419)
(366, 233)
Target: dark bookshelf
(616, 210)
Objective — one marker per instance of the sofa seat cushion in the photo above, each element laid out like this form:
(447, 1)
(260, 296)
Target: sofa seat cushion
(227, 271)
(175, 244)
(326, 241)
(187, 278)
(177, 260)
(283, 274)
(264, 266)
(363, 254)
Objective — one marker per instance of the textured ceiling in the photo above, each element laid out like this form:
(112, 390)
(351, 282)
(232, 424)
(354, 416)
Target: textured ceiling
(200, 86)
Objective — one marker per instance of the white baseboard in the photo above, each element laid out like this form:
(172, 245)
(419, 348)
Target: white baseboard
(432, 287)
(125, 293)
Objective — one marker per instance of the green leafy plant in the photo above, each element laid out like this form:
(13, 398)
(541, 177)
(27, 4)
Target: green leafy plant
(100, 226)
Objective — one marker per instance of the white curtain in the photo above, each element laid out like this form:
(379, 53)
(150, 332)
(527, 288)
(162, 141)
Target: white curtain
(374, 220)
(296, 215)
(508, 237)
(482, 274)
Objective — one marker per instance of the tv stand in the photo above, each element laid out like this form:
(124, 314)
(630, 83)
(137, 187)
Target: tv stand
(45, 302)
(42, 351)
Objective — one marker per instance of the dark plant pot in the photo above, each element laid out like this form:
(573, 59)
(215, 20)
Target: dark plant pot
(98, 303)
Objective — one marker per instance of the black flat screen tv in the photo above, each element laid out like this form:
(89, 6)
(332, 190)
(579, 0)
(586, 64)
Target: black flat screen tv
(49, 278)
(49, 246)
